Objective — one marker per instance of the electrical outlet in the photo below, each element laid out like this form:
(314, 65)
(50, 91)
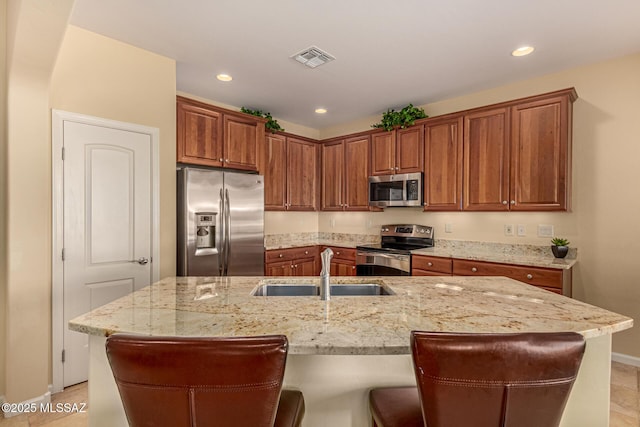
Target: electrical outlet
(545, 230)
(508, 229)
(448, 228)
(522, 230)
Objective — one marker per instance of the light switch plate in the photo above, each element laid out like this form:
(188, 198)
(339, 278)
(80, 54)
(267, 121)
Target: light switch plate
(545, 230)
(508, 229)
(448, 228)
(522, 230)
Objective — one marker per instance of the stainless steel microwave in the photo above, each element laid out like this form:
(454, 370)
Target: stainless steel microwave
(396, 190)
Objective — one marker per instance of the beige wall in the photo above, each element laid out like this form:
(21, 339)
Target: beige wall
(34, 34)
(101, 77)
(3, 171)
(92, 75)
(606, 202)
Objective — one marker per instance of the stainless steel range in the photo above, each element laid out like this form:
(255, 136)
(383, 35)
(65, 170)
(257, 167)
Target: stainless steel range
(392, 257)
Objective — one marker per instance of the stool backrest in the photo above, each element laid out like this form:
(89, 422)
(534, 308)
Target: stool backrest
(495, 380)
(175, 381)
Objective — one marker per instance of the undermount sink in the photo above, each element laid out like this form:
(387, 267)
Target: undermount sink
(310, 289)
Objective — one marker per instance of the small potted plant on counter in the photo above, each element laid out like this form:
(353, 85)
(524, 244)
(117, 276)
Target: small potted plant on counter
(559, 247)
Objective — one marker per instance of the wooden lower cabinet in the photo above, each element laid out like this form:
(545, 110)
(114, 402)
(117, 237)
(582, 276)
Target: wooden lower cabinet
(550, 279)
(422, 265)
(343, 262)
(302, 261)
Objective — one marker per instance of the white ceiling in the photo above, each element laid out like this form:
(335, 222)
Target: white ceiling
(388, 53)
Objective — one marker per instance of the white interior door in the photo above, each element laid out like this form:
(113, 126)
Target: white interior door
(107, 222)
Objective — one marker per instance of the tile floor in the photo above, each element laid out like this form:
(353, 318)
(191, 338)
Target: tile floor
(625, 403)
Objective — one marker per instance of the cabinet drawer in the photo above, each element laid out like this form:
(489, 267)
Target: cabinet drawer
(339, 252)
(290, 254)
(546, 277)
(431, 263)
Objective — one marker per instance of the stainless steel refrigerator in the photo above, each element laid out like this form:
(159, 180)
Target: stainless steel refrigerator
(220, 223)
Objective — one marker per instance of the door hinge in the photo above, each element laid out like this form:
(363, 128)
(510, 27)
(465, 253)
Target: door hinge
(62, 153)
(63, 356)
(63, 254)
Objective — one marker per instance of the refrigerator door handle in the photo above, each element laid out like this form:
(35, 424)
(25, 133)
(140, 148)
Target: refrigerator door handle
(227, 215)
(222, 243)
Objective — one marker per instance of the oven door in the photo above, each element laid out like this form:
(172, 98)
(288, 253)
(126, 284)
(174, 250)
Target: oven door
(382, 264)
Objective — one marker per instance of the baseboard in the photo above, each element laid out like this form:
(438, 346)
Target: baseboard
(627, 360)
(42, 399)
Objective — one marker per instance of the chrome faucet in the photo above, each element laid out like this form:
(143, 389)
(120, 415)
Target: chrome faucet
(325, 288)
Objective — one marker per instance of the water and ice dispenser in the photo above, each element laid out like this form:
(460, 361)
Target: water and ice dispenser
(205, 230)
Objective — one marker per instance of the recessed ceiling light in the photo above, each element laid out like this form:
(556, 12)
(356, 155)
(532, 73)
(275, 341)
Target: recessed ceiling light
(224, 77)
(321, 110)
(522, 51)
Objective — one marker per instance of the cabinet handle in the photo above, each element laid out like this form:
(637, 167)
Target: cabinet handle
(227, 160)
(430, 264)
(337, 253)
(529, 276)
(296, 265)
(513, 202)
(397, 168)
(504, 202)
(281, 255)
(353, 268)
(221, 159)
(425, 204)
(474, 269)
(291, 265)
(306, 252)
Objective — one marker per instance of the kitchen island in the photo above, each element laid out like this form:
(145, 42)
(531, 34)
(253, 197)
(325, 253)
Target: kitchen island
(340, 348)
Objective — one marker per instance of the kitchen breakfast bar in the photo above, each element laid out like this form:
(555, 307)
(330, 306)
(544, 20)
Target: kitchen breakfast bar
(338, 349)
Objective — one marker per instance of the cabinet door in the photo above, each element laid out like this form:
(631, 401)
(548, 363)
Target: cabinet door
(199, 138)
(275, 172)
(306, 267)
(540, 149)
(343, 268)
(332, 176)
(443, 165)
(486, 160)
(357, 174)
(241, 142)
(284, 268)
(383, 153)
(302, 171)
(409, 149)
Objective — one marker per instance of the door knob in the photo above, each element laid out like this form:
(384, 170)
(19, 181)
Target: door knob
(141, 261)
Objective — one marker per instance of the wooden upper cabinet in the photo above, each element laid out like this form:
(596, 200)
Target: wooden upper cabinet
(383, 153)
(409, 149)
(345, 175)
(243, 136)
(540, 152)
(356, 186)
(199, 139)
(274, 170)
(333, 171)
(486, 160)
(443, 165)
(302, 175)
(213, 136)
(398, 151)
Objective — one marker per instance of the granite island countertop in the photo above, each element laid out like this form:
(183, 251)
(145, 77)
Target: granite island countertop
(214, 306)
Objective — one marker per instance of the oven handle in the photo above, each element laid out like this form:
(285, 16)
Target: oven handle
(399, 262)
(383, 255)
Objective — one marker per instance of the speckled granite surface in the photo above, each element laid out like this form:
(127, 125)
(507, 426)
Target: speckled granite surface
(531, 255)
(346, 325)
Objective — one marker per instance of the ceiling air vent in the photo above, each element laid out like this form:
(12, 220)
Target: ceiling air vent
(312, 57)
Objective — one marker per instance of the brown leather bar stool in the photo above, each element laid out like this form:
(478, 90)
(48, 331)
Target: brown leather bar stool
(483, 380)
(176, 381)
